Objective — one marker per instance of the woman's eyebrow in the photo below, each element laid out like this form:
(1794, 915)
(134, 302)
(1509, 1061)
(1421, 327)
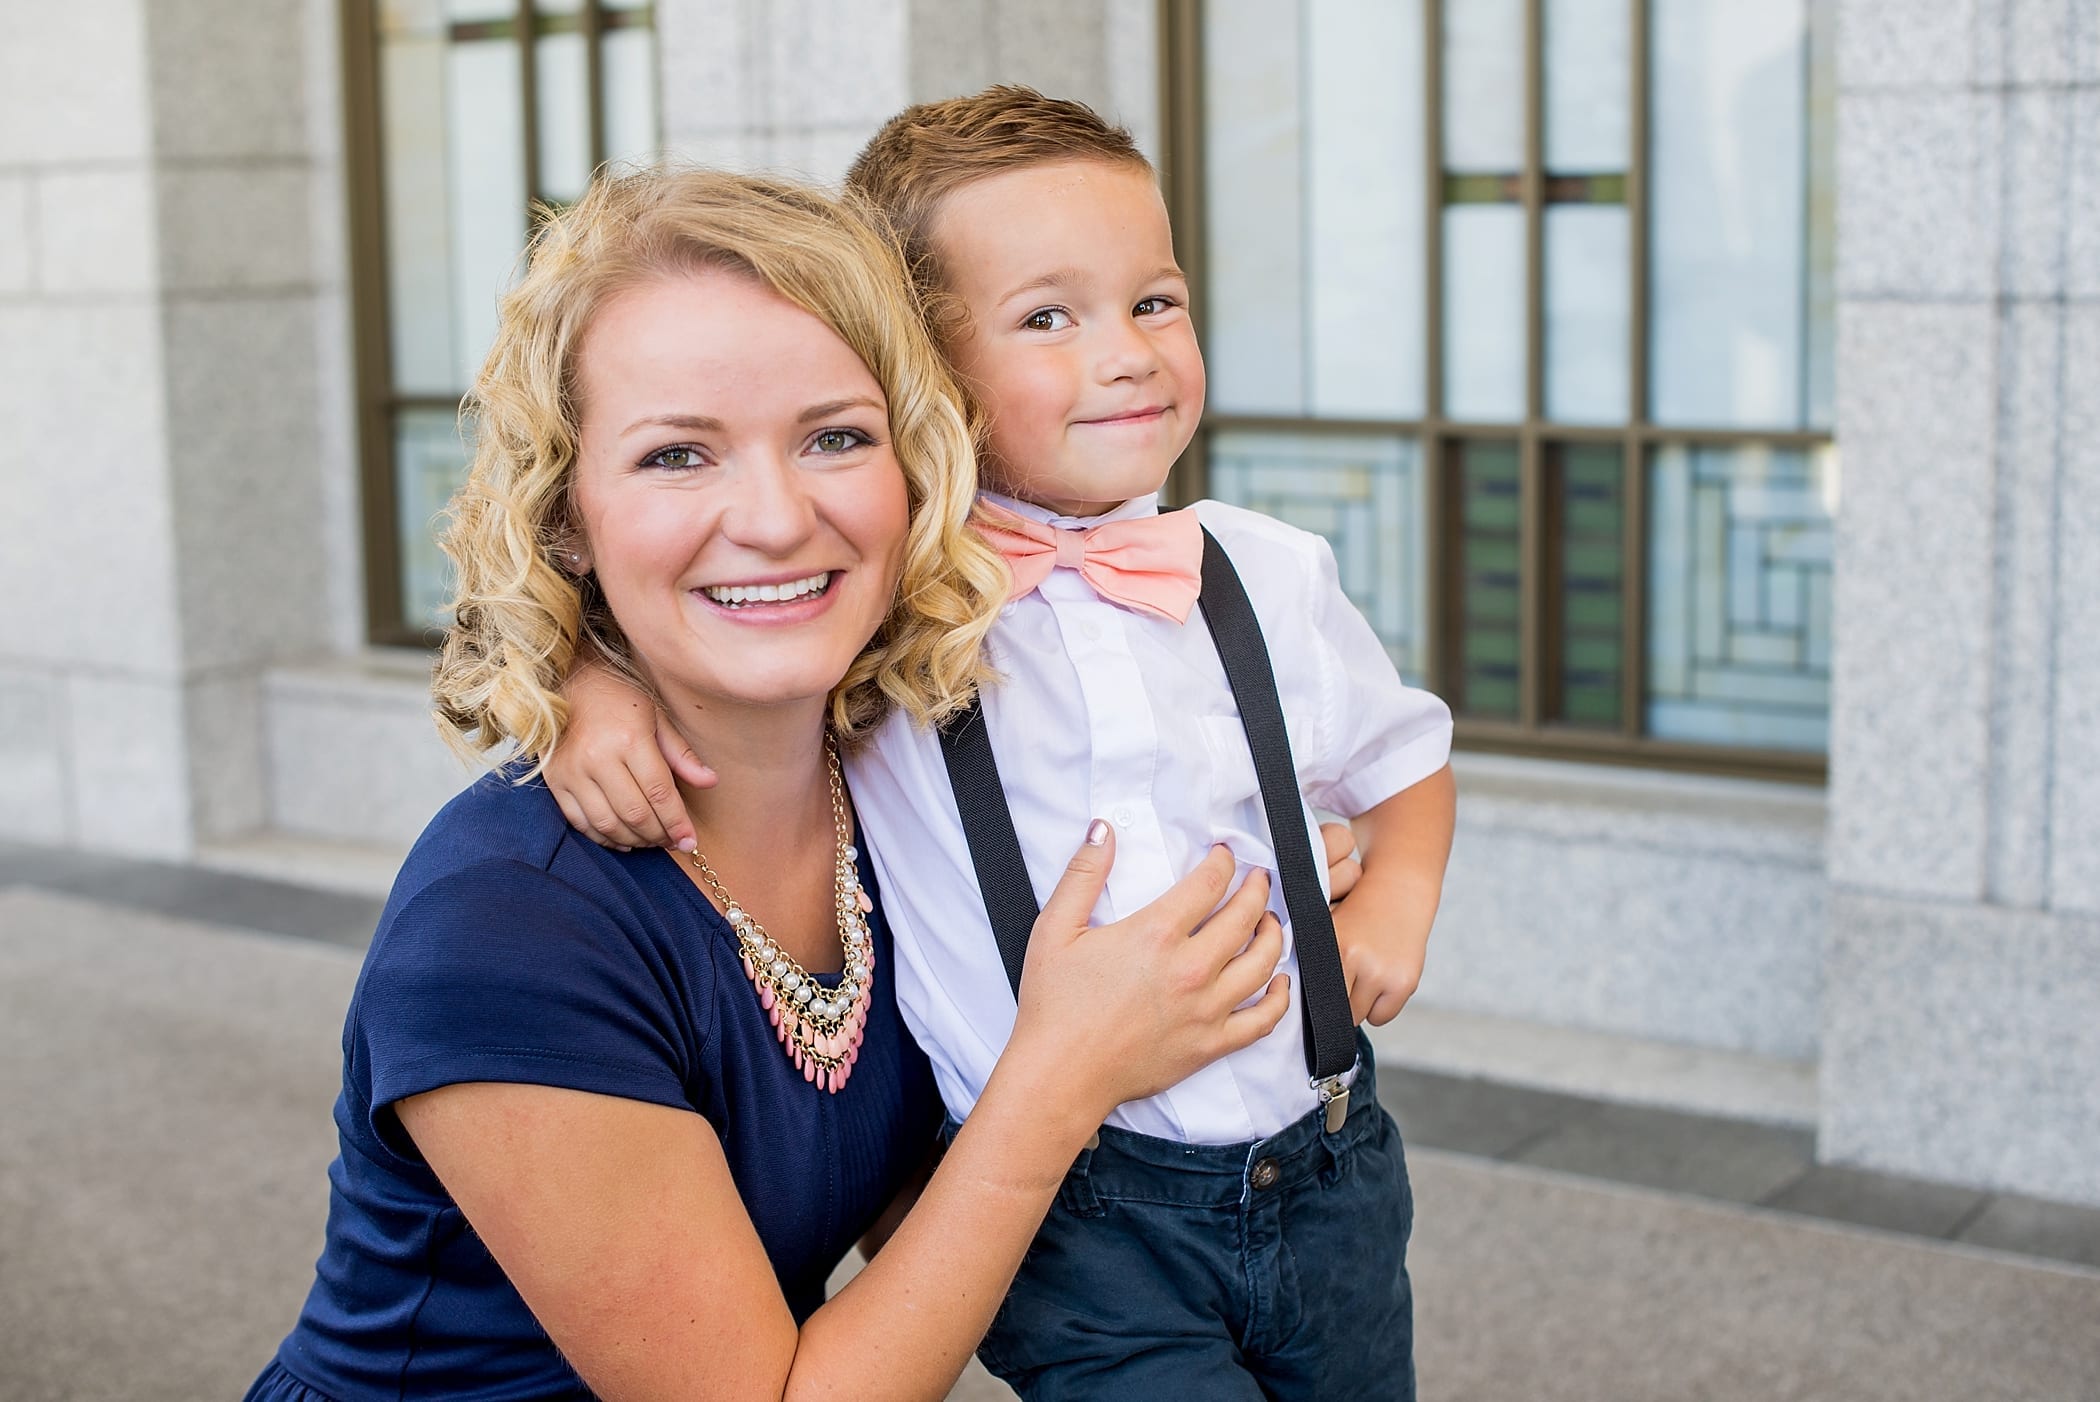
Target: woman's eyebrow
(838, 406)
(691, 422)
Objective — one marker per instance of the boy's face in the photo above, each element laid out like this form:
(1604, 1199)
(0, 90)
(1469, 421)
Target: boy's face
(1079, 343)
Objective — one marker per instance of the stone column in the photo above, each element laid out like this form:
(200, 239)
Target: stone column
(160, 346)
(1961, 1005)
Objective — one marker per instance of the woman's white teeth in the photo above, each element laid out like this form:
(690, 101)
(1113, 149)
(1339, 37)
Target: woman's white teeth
(735, 594)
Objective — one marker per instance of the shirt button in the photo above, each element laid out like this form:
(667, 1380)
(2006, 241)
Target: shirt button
(1090, 631)
(1006, 610)
(1264, 1173)
(1124, 816)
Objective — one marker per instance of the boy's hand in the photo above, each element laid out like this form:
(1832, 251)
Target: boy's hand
(1383, 928)
(1343, 869)
(615, 772)
(1382, 955)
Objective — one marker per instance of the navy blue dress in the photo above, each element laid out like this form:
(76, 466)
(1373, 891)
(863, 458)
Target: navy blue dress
(513, 949)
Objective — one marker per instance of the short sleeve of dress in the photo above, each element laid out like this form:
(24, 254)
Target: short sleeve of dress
(502, 972)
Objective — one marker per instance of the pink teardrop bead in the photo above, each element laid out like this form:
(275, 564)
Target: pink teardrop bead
(750, 971)
(861, 899)
(809, 1069)
(765, 996)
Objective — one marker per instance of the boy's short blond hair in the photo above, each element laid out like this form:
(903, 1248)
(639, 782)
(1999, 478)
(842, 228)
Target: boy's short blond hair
(519, 619)
(927, 152)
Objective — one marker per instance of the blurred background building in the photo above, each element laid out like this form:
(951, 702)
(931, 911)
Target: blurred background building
(1703, 395)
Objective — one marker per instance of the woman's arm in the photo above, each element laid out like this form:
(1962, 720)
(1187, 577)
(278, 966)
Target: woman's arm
(619, 1223)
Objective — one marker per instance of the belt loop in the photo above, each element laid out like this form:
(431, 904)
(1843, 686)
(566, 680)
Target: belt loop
(1078, 1194)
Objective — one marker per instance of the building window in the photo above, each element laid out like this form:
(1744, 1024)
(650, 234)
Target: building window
(467, 117)
(1528, 306)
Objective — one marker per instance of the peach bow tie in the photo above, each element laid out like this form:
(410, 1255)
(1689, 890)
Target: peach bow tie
(1153, 564)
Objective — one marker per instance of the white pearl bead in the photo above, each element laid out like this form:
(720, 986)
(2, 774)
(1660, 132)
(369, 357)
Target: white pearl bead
(852, 853)
(777, 967)
(735, 914)
(793, 984)
(802, 994)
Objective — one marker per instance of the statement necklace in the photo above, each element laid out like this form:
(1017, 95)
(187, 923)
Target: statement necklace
(820, 1028)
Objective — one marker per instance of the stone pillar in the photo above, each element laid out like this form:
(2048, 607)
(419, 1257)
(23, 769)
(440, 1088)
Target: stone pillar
(1961, 1004)
(159, 372)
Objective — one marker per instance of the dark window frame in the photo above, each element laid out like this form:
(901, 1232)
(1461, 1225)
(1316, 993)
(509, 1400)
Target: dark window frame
(1440, 439)
(377, 402)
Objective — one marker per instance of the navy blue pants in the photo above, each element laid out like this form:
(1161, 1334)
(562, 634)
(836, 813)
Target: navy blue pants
(1276, 1269)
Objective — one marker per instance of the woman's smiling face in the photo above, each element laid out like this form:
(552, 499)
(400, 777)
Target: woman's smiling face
(736, 489)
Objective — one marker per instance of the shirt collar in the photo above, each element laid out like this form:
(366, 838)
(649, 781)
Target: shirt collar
(1147, 505)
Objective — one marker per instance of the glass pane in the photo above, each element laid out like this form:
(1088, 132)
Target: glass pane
(1253, 207)
(1484, 85)
(430, 461)
(1588, 313)
(1729, 213)
(1739, 595)
(418, 227)
(1821, 351)
(485, 136)
(1365, 495)
(480, 11)
(1588, 86)
(1364, 207)
(1489, 499)
(561, 93)
(1589, 497)
(1484, 312)
(627, 60)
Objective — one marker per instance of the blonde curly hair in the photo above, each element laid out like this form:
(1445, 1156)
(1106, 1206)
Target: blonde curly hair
(519, 620)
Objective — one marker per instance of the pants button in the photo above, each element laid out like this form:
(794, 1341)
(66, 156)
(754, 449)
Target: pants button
(1264, 1173)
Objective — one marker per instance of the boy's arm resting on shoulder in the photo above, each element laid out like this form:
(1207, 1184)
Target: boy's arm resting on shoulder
(616, 769)
(1383, 928)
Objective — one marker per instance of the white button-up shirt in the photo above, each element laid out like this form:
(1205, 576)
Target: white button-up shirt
(1101, 711)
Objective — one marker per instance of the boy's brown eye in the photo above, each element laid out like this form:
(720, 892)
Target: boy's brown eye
(1047, 319)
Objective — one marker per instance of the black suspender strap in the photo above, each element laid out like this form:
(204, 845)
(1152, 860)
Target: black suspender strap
(1330, 1032)
(988, 825)
(1002, 875)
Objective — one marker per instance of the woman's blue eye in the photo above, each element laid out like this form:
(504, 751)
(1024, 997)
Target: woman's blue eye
(1047, 319)
(676, 458)
(840, 440)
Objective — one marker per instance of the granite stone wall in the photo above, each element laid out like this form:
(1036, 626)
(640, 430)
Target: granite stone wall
(1962, 976)
(164, 328)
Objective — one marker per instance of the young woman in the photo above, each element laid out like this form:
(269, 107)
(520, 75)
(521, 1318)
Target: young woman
(610, 1119)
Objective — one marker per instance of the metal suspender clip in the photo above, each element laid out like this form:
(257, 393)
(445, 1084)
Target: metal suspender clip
(1335, 1096)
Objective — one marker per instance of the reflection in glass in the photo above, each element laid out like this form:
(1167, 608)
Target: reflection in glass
(1588, 313)
(1484, 312)
(1589, 558)
(1364, 207)
(1729, 212)
(1821, 376)
(418, 200)
(1739, 552)
(561, 87)
(1364, 494)
(1483, 86)
(485, 135)
(1254, 338)
(430, 461)
(1489, 495)
(627, 59)
(1588, 86)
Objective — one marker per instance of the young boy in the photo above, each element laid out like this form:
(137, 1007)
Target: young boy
(1229, 1238)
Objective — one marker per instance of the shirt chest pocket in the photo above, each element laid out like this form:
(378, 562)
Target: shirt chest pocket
(1232, 778)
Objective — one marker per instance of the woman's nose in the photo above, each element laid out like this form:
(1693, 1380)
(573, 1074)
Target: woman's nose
(770, 509)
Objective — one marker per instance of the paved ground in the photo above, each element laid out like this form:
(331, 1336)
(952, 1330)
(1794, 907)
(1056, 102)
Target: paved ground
(165, 1082)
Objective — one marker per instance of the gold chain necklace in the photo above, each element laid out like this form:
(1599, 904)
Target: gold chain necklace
(820, 1028)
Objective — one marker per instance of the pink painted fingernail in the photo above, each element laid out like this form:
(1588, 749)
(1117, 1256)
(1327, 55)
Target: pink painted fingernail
(1097, 832)
(688, 845)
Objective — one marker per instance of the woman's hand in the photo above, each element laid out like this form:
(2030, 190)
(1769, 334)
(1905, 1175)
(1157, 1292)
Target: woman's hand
(616, 771)
(1124, 1011)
